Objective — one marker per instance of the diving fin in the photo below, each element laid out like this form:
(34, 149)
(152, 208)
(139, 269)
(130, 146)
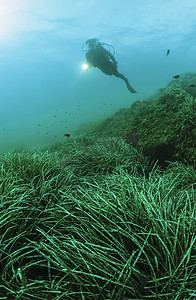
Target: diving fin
(129, 86)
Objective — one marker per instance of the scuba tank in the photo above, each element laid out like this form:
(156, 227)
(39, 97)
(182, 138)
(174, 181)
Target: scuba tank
(94, 43)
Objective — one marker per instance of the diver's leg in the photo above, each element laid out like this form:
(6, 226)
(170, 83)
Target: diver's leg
(130, 88)
(117, 74)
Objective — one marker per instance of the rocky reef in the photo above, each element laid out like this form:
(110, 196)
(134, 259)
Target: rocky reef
(187, 81)
(162, 126)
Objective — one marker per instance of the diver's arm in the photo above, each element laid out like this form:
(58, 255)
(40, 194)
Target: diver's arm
(89, 60)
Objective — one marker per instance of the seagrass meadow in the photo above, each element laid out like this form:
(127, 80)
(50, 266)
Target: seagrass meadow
(94, 218)
(97, 150)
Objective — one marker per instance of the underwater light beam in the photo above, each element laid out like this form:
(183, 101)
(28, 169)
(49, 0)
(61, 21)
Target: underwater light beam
(85, 67)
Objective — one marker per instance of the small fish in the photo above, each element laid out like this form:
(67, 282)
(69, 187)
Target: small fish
(168, 51)
(176, 76)
(67, 134)
(192, 85)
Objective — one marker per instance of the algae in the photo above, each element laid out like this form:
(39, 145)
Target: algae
(162, 126)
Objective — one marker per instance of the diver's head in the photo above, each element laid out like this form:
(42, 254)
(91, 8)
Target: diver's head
(92, 43)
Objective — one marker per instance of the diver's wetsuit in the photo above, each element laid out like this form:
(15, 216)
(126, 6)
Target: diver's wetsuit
(101, 58)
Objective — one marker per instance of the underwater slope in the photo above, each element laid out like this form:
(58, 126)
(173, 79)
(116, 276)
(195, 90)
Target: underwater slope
(187, 81)
(163, 126)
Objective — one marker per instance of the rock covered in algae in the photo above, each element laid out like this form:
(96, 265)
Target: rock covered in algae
(163, 126)
(187, 81)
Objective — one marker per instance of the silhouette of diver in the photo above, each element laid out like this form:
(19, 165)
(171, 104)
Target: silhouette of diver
(100, 57)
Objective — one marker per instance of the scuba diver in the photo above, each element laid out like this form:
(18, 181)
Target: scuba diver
(98, 56)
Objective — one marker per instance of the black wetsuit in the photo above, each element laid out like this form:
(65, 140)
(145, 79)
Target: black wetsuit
(101, 58)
